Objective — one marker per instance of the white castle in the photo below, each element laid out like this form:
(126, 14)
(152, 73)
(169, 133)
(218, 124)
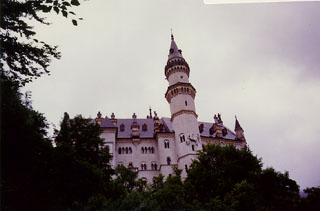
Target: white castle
(154, 145)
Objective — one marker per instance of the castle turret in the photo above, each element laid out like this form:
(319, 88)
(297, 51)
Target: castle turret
(239, 131)
(180, 95)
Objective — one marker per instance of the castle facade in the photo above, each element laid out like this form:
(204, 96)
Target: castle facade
(154, 145)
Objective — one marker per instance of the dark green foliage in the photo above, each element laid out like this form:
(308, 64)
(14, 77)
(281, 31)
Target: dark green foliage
(25, 151)
(277, 191)
(312, 201)
(218, 169)
(36, 176)
(82, 138)
(23, 57)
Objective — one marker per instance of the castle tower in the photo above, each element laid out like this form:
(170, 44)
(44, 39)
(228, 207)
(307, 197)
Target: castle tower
(239, 131)
(180, 95)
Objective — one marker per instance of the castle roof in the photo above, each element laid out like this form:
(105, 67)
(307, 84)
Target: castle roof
(149, 132)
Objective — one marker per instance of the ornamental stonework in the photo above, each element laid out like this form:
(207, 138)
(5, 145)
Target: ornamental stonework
(180, 88)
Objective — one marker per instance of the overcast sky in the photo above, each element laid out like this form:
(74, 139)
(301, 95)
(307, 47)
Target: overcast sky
(260, 62)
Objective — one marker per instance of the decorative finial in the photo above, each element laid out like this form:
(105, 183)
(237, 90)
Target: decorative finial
(99, 115)
(172, 38)
(150, 112)
(134, 116)
(112, 116)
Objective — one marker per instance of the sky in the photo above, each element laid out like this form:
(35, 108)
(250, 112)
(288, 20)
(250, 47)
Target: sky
(260, 62)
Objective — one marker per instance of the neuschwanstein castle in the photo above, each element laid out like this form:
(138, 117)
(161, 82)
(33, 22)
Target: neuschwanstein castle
(155, 145)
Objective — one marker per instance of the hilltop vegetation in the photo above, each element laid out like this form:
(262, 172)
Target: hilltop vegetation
(76, 175)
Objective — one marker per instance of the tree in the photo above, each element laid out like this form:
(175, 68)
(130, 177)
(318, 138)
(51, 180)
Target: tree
(218, 169)
(312, 201)
(277, 191)
(25, 152)
(82, 137)
(23, 57)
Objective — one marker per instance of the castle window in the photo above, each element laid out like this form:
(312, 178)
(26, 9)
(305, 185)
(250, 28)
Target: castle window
(224, 131)
(185, 102)
(168, 160)
(153, 166)
(186, 167)
(182, 138)
(201, 128)
(192, 147)
(181, 76)
(166, 144)
(130, 166)
(119, 150)
(122, 150)
(142, 150)
(127, 150)
(130, 150)
(143, 166)
(122, 127)
(152, 150)
(144, 127)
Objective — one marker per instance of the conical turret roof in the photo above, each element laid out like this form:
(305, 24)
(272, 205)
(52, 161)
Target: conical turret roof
(174, 51)
(237, 126)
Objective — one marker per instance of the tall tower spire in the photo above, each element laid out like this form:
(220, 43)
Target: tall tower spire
(180, 95)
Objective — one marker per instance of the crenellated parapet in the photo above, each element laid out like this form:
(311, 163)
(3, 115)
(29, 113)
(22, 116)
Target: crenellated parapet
(180, 88)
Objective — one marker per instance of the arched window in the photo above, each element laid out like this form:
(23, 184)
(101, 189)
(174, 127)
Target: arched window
(130, 166)
(186, 167)
(153, 166)
(142, 150)
(185, 102)
(201, 126)
(119, 150)
(130, 150)
(149, 150)
(122, 127)
(168, 160)
(127, 150)
(146, 150)
(143, 166)
(122, 150)
(192, 147)
(152, 150)
(166, 144)
(182, 138)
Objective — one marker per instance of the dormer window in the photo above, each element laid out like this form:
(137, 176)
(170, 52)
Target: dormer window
(201, 126)
(122, 127)
(144, 127)
(171, 50)
(224, 131)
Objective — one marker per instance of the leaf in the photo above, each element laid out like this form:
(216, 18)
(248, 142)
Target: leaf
(72, 13)
(56, 9)
(74, 22)
(64, 13)
(66, 3)
(46, 9)
(75, 2)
